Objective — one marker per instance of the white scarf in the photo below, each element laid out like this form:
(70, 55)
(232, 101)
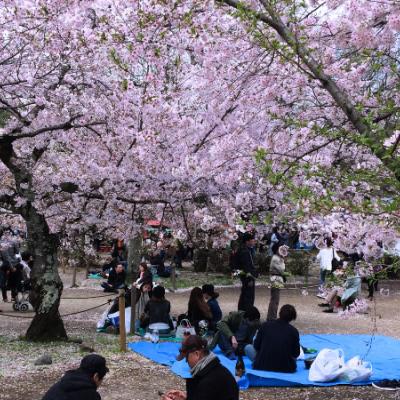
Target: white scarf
(202, 363)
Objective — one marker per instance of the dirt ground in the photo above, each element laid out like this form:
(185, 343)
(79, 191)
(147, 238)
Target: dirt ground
(135, 378)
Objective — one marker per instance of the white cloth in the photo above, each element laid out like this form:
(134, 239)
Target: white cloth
(26, 271)
(325, 257)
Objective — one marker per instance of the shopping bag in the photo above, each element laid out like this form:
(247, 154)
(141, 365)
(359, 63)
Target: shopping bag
(357, 370)
(328, 366)
(184, 327)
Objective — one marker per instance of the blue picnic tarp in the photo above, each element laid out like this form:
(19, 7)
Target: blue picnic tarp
(383, 352)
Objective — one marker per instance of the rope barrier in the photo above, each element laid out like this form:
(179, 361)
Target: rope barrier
(84, 298)
(62, 316)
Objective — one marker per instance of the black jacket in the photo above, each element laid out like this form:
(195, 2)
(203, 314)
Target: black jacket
(244, 260)
(117, 280)
(74, 385)
(277, 345)
(158, 311)
(214, 382)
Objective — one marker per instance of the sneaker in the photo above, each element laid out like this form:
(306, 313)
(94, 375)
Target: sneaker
(387, 384)
(323, 305)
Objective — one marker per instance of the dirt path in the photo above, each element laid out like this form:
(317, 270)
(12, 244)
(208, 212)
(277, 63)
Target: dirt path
(133, 377)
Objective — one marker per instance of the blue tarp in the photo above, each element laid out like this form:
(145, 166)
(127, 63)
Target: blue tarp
(383, 352)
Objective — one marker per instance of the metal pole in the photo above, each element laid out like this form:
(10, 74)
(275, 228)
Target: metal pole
(122, 331)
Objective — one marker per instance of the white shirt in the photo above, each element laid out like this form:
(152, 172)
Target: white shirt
(325, 257)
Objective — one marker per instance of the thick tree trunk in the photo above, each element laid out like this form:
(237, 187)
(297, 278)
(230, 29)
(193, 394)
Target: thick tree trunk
(46, 283)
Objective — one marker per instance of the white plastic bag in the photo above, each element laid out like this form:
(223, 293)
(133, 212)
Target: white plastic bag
(184, 327)
(328, 366)
(357, 370)
(301, 355)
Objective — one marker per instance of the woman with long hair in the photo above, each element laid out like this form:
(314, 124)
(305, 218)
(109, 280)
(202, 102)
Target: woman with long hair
(198, 309)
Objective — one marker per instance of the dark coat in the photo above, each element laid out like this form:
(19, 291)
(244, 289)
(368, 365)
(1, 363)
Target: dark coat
(244, 260)
(74, 385)
(215, 310)
(158, 311)
(277, 345)
(214, 382)
(116, 280)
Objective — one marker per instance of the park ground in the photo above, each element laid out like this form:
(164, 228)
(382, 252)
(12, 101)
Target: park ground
(136, 378)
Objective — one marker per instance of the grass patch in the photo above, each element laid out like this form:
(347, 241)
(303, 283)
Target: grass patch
(191, 279)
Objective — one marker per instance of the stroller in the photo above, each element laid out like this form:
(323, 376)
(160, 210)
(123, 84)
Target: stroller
(21, 302)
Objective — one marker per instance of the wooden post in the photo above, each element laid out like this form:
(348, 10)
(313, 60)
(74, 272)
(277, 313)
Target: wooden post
(133, 309)
(173, 276)
(122, 331)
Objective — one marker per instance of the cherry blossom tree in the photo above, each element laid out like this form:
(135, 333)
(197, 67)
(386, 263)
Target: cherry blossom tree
(220, 111)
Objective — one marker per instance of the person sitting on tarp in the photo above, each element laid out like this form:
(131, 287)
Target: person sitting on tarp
(210, 380)
(156, 313)
(277, 343)
(198, 309)
(210, 296)
(111, 316)
(116, 279)
(236, 330)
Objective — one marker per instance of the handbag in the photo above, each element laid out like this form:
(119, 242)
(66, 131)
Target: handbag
(184, 328)
(335, 263)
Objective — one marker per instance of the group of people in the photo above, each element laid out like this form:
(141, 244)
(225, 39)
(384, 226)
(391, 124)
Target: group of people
(271, 346)
(15, 270)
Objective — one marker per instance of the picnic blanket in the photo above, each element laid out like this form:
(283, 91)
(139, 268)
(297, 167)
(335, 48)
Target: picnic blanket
(382, 351)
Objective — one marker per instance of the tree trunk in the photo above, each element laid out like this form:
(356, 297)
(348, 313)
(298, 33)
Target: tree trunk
(134, 255)
(46, 283)
(75, 268)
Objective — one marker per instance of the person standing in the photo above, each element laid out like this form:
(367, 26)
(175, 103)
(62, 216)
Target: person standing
(81, 383)
(325, 258)
(277, 343)
(244, 261)
(210, 380)
(277, 279)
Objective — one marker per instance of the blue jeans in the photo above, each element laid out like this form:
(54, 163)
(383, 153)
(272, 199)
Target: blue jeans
(322, 276)
(250, 352)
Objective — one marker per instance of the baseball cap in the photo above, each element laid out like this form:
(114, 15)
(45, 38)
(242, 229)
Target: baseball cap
(191, 343)
(93, 363)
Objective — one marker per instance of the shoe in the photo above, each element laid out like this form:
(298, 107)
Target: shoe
(330, 310)
(323, 305)
(5, 300)
(387, 384)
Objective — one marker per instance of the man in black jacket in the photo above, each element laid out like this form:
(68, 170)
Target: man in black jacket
(244, 262)
(81, 383)
(277, 344)
(116, 279)
(210, 380)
